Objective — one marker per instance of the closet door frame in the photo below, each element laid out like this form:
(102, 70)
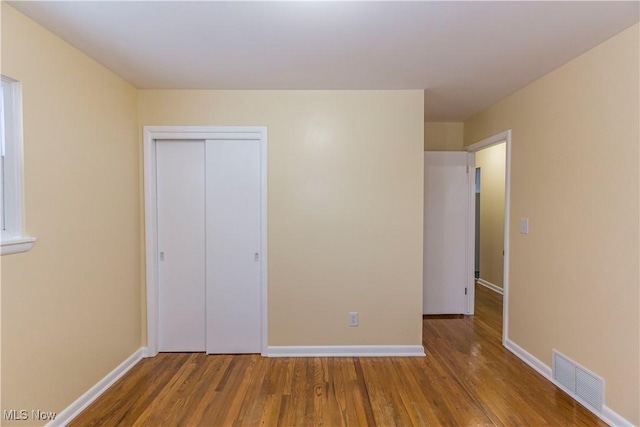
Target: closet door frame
(152, 134)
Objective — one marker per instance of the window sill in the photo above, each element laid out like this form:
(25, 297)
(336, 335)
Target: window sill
(16, 245)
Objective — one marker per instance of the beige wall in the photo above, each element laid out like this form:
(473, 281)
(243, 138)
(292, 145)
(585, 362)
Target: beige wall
(574, 278)
(491, 162)
(443, 136)
(70, 306)
(344, 205)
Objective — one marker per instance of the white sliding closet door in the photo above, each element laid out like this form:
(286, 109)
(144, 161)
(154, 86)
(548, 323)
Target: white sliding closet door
(180, 169)
(233, 258)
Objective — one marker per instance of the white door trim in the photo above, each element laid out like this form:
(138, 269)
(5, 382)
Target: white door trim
(471, 234)
(150, 135)
(488, 142)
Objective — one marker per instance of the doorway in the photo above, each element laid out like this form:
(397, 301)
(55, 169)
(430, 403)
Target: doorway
(476, 262)
(490, 188)
(205, 234)
(491, 239)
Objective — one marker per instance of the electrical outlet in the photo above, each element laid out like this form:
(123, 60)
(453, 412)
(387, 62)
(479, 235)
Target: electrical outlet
(353, 318)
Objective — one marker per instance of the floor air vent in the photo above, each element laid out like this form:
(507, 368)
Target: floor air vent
(581, 384)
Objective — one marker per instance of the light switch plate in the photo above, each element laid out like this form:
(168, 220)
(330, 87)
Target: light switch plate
(524, 225)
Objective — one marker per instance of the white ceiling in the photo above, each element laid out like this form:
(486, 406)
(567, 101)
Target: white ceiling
(465, 55)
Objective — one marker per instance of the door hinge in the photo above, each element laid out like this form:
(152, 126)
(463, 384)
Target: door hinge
(467, 169)
(465, 291)
(256, 257)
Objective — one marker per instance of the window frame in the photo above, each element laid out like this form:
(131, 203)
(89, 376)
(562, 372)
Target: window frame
(12, 236)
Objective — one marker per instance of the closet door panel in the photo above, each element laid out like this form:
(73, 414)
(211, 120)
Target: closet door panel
(181, 244)
(233, 210)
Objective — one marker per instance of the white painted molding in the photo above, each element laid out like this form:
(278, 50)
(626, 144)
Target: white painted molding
(346, 351)
(529, 359)
(471, 236)
(490, 285)
(12, 148)
(485, 143)
(613, 418)
(488, 142)
(16, 245)
(607, 415)
(73, 410)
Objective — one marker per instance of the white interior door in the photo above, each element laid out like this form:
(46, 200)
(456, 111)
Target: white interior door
(233, 205)
(447, 262)
(180, 167)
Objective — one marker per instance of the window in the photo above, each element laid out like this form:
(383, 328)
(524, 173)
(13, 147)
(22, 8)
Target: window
(12, 239)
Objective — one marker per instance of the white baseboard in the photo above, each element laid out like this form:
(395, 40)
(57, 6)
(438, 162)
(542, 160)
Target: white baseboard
(607, 415)
(491, 286)
(529, 359)
(613, 418)
(345, 351)
(72, 411)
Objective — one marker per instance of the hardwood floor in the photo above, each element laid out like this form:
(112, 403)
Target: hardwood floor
(467, 379)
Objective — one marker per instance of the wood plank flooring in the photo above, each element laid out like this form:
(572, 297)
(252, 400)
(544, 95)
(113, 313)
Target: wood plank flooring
(467, 379)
